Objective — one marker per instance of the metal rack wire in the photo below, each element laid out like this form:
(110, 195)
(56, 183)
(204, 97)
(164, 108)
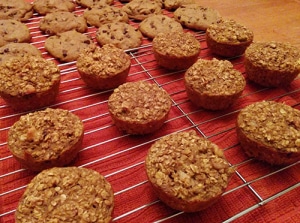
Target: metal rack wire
(120, 158)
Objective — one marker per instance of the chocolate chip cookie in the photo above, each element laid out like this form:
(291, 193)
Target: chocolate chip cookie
(46, 6)
(104, 14)
(93, 3)
(20, 10)
(13, 31)
(155, 24)
(174, 4)
(196, 17)
(67, 46)
(120, 34)
(60, 21)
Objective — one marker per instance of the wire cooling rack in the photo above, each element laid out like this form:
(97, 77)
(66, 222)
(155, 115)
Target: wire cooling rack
(120, 158)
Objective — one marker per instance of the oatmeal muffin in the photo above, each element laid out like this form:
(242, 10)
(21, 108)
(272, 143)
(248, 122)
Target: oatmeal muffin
(228, 38)
(175, 50)
(104, 68)
(139, 107)
(66, 194)
(213, 84)
(272, 64)
(29, 82)
(46, 138)
(270, 131)
(188, 172)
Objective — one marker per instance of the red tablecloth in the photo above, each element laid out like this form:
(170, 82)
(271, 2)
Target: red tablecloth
(257, 192)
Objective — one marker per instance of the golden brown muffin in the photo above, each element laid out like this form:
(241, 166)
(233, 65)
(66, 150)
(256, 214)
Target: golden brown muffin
(46, 138)
(29, 82)
(139, 107)
(188, 172)
(176, 50)
(213, 84)
(272, 64)
(228, 38)
(104, 68)
(270, 131)
(66, 194)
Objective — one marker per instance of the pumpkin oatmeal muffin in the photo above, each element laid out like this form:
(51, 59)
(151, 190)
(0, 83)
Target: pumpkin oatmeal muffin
(272, 64)
(175, 50)
(228, 38)
(29, 82)
(270, 131)
(46, 138)
(104, 68)
(213, 84)
(139, 107)
(188, 172)
(66, 194)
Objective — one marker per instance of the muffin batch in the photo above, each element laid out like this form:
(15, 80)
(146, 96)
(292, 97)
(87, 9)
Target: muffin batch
(187, 171)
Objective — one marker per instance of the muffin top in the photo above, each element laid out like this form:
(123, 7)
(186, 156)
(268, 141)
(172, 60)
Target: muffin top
(229, 31)
(214, 77)
(274, 56)
(277, 125)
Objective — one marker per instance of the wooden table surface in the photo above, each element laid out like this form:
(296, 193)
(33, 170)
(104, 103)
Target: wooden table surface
(277, 20)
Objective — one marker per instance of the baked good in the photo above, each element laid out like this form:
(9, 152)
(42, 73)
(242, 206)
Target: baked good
(62, 21)
(29, 82)
(46, 138)
(46, 6)
(94, 3)
(213, 84)
(139, 107)
(272, 64)
(270, 131)
(120, 34)
(13, 31)
(66, 194)
(188, 172)
(104, 68)
(155, 24)
(68, 45)
(175, 4)
(18, 49)
(175, 50)
(196, 17)
(228, 38)
(105, 14)
(141, 9)
(20, 10)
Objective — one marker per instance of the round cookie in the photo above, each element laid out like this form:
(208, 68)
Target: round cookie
(104, 68)
(62, 194)
(155, 24)
(68, 45)
(29, 82)
(46, 138)
(20, 10)
(120, 34)
(139, 107)
(187, 172)
(105, 14)
(46, 6)
(94, 3)
(196, 17)
(213, 84)
(13, 31)
(141, 9)
(174, 4)
(272, 64)
(61, 21)
(18, 49)
(270, 131)
(175, 50)
(228, 38)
